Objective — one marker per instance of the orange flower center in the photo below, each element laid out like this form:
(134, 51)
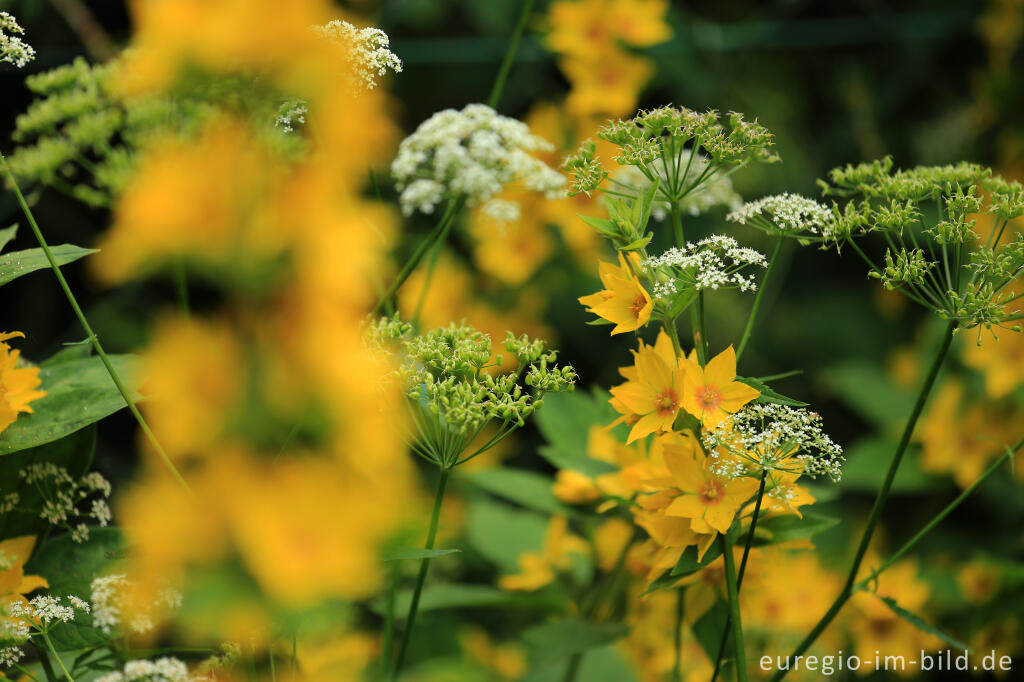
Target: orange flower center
(667, 403)
(711, 492)
(638, 304)
(709, 397)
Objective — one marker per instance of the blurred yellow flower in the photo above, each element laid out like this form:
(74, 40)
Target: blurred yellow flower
(18, 385)
(581, 27)
(537, 569)
(14, 584)
(959, 440)
(609, 85)
(508, 660)
(978, 580)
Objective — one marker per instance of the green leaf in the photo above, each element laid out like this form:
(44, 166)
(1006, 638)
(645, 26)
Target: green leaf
(601, 664)
(866, 464)
(565, 423)
(789, 527)
(501, 533)
(74, 453)
(17, 263)
(70, 567)
(602, 225)
(709, 629)
(864, 387)
(6, 235)
(682, 301)
(456, 596)
(921, 624)
(410, 553)
(78, 393)
(531, 490)
(562, 639)
(768, 395)
(686, 565)
(71, 351)
(637, 243)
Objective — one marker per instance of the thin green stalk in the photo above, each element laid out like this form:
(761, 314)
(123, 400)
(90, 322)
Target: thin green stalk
(673, 333)
(181, 287)
(421, 250)
(880, 498)
(435, 255)
(757, 299)
(273, 668)
(742, 572)
(677, 224)
(510, 56)
(938, 518)
(88, 328)
(574, 667)
(677, 665)
(49, 645)
(732, 588)
(44, 662)
(410, 620)
(388, 636)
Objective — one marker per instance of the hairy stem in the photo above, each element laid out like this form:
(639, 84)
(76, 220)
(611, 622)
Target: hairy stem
(880, 498)
(88, 328)
(410, 620)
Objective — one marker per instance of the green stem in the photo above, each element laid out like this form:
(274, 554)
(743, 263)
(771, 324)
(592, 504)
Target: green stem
(673, 333)
(510, 56)
(88, 329)
(440, 229)
(946, 511)
(677, 224)
(49, 645)
(702, 328)
(181, 286)
(435, 255)
(574, 667)
(880, 498)
(387, 638)
(677, 665)
(410, 620)
(732, 588)
(44, 662)
(742, 572)
(757, 299)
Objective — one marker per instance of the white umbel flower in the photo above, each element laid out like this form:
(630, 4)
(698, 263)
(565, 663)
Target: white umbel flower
(368, 50)
(13, 49)
(161, 670)
(474, 153)
(713, 191)
(716, 262)
(787, 214)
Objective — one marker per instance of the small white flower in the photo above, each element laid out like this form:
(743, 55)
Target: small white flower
(368, 50)
(712, 263)
(789, 214)
(13, 49)
(10, 655)
(108, 605)
(474, 153)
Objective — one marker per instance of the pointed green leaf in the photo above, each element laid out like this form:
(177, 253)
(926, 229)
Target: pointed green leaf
(605, 227)
(921, 624)
(789, 527)
(566, 421)
(638, 244)
(6, 235)
(411, 553)
(562, 639)
(531, 490)
(18, 263)
(687, 565)
(768, 395)
(459, 596)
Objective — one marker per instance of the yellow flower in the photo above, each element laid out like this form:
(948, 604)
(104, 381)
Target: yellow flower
(14, 584)
(572, 487)
(793, 592)
(537, 569)
(609, 86)
(17, 384)
(654, 390)
(585, 27)
(623, 301)
(711, 393)
(708, 500)
(1000, 359)
(512, 250)
(508, 660)
(955, 441)
(978, 581)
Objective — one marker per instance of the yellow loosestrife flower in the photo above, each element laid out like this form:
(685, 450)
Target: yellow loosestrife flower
(653, 393)
(17, 384)
(710, 501)
(14, 584)
(710, 393)
(537, 569)
(623, 300)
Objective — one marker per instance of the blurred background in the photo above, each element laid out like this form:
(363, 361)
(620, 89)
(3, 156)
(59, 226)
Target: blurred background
(929, 82)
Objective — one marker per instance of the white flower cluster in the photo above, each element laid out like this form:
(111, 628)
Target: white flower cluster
(10, 655)
(775, 438)
(291, 114)
(368, 50)
(718, 191)
(108, 604)
(716, 262)
(473, 153)
(161, 670)
(13, 49)
(46, 609)
(789, 214)
(62, 495)
(9, 502)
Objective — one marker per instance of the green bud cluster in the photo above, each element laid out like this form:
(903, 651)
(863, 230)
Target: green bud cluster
(452, 396)
(927, 215)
